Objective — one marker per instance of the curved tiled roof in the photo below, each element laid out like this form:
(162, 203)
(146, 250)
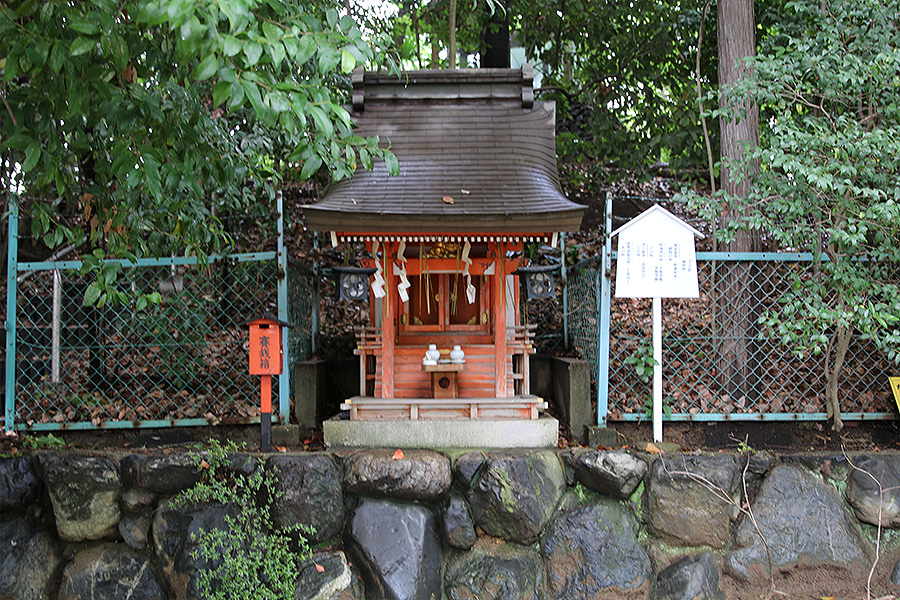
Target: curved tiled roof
(494, 158)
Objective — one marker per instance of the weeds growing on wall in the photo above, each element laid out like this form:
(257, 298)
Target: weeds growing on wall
(249, 559)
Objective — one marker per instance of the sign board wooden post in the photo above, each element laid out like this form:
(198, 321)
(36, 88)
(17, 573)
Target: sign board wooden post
(265, 360)
(657, 260)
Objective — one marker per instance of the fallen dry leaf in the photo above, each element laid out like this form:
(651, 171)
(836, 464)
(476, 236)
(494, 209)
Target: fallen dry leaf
(447, 199)
(319, 568)
(652, 449)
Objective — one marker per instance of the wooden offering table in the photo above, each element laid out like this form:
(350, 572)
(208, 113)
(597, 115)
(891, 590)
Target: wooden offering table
(444, 381)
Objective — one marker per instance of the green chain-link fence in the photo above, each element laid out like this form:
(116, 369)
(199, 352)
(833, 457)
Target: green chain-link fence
(698, 379)
(181, 362)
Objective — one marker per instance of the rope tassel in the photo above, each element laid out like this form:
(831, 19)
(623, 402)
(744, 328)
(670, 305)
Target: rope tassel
(401, 271)
(378, 284)
(470, 289)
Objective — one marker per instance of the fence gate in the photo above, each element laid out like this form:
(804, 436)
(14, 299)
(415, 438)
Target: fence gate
(181, 362)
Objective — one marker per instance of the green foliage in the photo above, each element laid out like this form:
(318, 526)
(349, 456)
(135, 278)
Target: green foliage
(622, 74)
(643, 362)
(45, 441)
(828, 85)
(134, 124)
(249, 558)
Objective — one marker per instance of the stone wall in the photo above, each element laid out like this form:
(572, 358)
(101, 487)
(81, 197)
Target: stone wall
(515, 525)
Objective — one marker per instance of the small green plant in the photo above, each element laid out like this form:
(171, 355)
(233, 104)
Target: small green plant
(647, 408)
(44, 441)
(643, 362)
(584, 495)
(249, 558)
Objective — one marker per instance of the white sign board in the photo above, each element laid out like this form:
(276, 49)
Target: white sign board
(656, 260)
(656, 257)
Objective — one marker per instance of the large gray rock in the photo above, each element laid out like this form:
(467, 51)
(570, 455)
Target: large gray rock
(84, 491)
(175, 530)
(29, 559)
(135, 530)
(874, 486)
(593, 550)
(803, 521)
(310, 488)
(18, 482)
(109, 572)
(613, 472)
(458, 527)
(328, 576)
(515, 495)
(494, 571)
(395, 547)
(164, 474)
(690, 578)
(419, 475)
(466, 466)
(691, 500)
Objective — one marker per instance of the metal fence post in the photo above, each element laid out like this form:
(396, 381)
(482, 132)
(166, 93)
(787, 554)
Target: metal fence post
(314, 321)
(284, 380)
(10, 324)
(603, 308)
(565, 288)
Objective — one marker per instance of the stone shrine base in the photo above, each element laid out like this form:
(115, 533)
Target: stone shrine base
(457, 433)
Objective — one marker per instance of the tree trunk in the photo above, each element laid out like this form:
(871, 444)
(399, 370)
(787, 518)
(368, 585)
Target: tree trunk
(495, 42)
(736, 297)
(451, 54)
(843, 335)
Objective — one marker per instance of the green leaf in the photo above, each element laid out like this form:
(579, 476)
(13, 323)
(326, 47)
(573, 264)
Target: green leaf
(252, 92)
(119, 49)
(252, 51)
(393, 165)
(310, 166)
(92, 294)
(348, 61)
(323, 123)
(207, 68)
(84, 26)
(331, 17)
(32, 155)
(306, 49)
(221, 92)
(58, 54)
(231, 45)
(276, 51)
(328, 59)
(82, 45)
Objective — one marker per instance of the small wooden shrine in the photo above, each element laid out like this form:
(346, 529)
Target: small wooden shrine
(478, 181)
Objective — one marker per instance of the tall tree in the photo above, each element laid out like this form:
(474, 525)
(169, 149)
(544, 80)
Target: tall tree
(129, 124)
(739, 128)
(830, 178)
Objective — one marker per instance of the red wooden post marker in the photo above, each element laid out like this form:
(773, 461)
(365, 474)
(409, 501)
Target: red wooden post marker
(265, 360)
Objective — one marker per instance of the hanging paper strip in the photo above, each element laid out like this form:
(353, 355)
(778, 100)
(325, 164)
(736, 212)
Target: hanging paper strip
(401, 271)
(378, 284)
(470, 289)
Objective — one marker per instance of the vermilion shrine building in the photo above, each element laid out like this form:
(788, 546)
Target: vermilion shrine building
(478, 180)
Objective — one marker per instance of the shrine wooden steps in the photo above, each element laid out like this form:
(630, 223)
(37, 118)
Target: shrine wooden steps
(365, 408)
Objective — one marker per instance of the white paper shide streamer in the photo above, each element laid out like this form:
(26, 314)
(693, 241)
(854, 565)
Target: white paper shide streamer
(378, 284)
(401, 272)
(470, 289)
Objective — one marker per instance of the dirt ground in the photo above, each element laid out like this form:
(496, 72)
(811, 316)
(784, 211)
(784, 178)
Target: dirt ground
(788, 437)
(778, 437)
